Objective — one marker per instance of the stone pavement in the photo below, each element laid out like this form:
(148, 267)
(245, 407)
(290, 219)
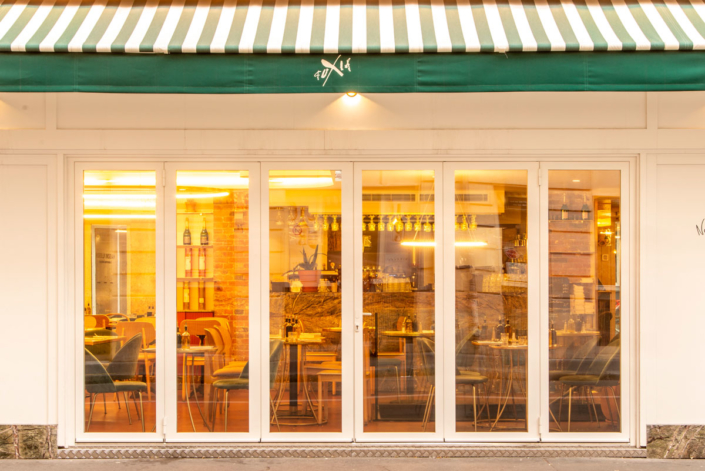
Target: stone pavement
(359, 464)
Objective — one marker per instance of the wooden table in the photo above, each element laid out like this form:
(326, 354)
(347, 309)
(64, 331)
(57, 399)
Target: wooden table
(101, 339)
(409, 339)
(585, 333)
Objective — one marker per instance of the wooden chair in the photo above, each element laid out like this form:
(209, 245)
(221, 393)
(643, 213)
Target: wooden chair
(149, 334)
(102, 322)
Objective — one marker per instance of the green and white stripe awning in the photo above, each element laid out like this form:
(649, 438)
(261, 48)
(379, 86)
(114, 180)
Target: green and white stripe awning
(350, 26)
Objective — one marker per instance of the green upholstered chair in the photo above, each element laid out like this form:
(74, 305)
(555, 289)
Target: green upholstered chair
(428, 363)
(99, 381)
(465, 359)
(104, 351)
(243, 382)
(603, 372)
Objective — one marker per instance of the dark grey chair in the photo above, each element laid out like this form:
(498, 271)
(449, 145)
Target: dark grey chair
(243, 382)
(99, 381)
(603, 372)
(465, 358)
(428, 362)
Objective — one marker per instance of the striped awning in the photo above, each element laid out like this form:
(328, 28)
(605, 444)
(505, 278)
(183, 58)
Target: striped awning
(350, 26)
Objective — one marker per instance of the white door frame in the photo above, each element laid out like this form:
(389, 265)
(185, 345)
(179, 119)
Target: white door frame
(148, 436)
(625, 301)
(346, 225)
(253, 433)
(533, 354)
(360, 434)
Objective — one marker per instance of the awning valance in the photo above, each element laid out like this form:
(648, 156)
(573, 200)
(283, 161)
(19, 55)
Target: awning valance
(350, 26)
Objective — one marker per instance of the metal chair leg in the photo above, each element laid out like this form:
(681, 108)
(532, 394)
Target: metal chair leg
(570, 404)
(105, 407)
(117, 399)
(396, 372)
(127, 407)
(616, 403)
(226, 410)
(594, 409)
(141, 410)
(274, 413)
(474, 407)
(134, 401)
(90, 415)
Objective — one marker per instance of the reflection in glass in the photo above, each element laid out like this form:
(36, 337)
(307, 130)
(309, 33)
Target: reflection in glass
(119, 300)
(491, 300)
(305, 305)
(399, 294)
(584, 300)
(212, 299)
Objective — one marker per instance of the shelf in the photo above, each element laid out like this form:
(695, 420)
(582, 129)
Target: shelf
(206, 279)
(570, 253)
(571, 276)
(196, 311)
(209, 246)
(199, 213)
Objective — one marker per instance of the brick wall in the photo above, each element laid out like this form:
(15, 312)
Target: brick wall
(231, 266)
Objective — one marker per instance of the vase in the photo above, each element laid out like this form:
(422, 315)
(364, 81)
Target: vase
(309, 279)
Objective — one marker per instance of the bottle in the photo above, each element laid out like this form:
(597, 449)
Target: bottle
(187, 234)
(564, 210)
(414, 280)
(187, 297)
(204, 233)
(484, 331)
(508, 329)
(185, 339)
(201, 296)
(585, 212)
(178, 337)
(499, 328)
(201, 262)
(414, 324)
(188, 269)
(554, 335)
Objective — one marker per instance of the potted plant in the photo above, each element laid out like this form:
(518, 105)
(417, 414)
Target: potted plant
(308, 272)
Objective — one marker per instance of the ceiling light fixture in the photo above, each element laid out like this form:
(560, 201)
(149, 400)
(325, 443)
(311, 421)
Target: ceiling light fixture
(190, 196)
(119, 216)
(300, 182)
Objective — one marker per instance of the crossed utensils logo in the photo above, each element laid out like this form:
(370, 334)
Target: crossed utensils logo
(338, 66)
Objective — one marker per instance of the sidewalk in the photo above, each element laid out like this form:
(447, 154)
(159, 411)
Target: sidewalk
(361, 464)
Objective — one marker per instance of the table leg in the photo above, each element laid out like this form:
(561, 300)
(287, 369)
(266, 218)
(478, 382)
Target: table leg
(195, 396)
(293, 378)
(410, 367)
(188, 401)
(500, 406)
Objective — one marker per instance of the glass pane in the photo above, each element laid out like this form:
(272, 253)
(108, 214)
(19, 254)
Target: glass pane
(119, 300)
(212, 283)
(491, 300)
(398, 231)
(305, 310)
(584, 305)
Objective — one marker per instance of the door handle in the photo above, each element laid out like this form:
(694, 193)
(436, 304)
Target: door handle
(358, 320)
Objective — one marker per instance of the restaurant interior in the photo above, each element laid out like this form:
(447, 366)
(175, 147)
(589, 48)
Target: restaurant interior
(399, 291)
